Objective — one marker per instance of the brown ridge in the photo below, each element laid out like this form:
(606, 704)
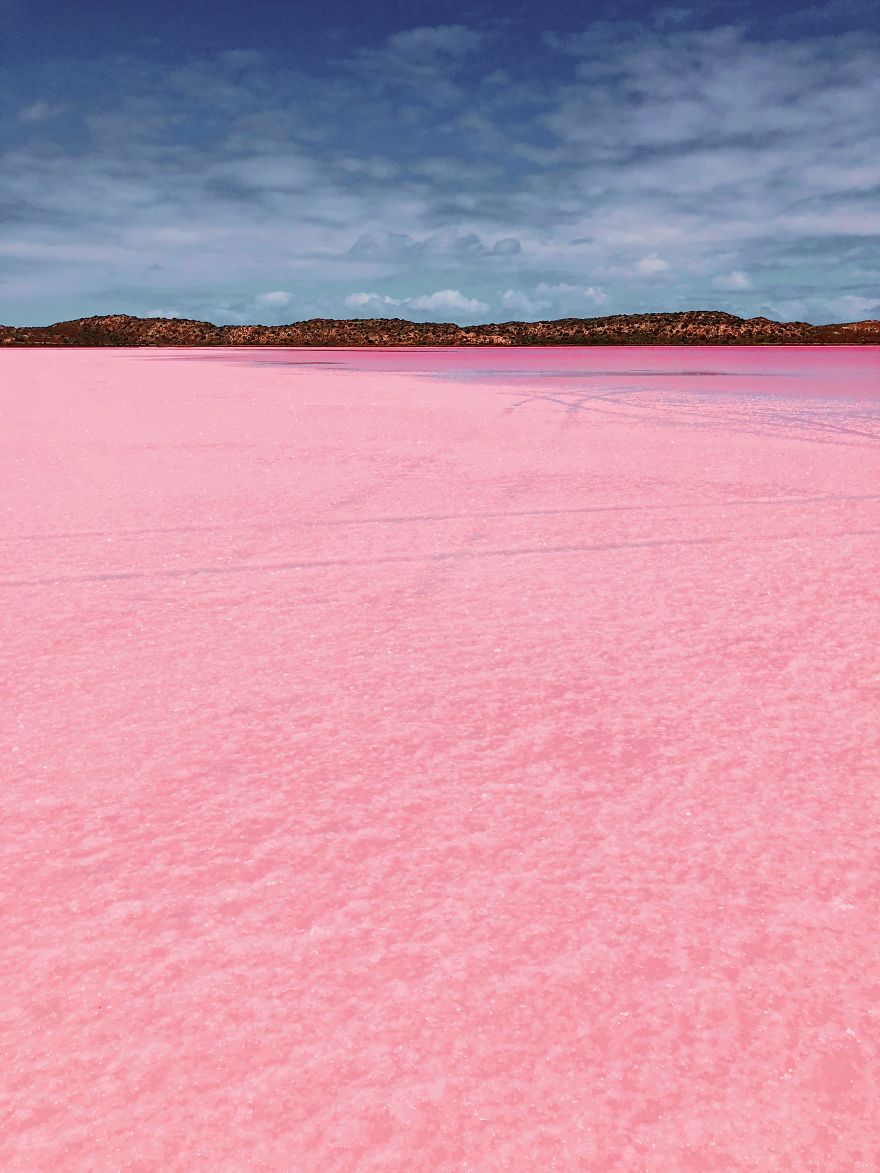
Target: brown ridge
(693, 327)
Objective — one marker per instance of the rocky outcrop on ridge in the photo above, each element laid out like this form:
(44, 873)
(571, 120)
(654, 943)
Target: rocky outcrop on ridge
(690, 328)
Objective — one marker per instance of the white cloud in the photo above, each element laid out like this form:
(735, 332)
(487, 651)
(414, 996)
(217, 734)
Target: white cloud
(162, 312)
(448, 299)
(651, 264)
(565, 291)
(40, 111)
(450, 40)
(278, 297)
(520, 303)
(845, 308)
(442, 301)
(670, 163)
(361, 300)
(241, 58)
(861, 220)
(422, 59)
(857, 306)
(738, 279)
(449, 246)
(508, 246)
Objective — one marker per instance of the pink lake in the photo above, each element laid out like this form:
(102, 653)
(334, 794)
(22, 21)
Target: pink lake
(440, 760)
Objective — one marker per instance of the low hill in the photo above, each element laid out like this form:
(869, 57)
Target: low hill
(690, 328)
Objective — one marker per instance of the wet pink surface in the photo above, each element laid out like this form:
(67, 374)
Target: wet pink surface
(440, 761)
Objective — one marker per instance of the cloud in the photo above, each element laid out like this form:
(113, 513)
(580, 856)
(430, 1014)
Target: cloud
(738, 279)
(241, 58)
(566, 292)
(275, 297)
(446, 246)
(161, 312)
(431, 42)
(381, 244)
(819, 309)
(373, 300)
(560, 298)
(442, 301)
(423, 60)
(448, 300)
(672, 15)
(508, 246)
(520, 303)
(651, 264)
(857, 306)
(40, 111)
(631, 167)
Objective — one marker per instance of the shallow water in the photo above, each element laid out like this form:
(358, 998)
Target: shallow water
(440, 759)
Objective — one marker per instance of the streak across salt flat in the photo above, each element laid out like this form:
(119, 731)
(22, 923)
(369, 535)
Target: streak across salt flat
(440, 759)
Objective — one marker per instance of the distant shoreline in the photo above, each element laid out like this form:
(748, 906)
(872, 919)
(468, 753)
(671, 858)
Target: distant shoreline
(686, 328)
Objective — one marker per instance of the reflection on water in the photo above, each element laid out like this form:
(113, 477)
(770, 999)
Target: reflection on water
(813, 370)
(827, 395)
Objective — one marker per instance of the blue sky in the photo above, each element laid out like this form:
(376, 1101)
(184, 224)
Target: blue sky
(274, 161)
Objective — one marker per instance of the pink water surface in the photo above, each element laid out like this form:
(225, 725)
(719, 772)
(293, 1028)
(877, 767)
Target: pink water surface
(440, 760)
